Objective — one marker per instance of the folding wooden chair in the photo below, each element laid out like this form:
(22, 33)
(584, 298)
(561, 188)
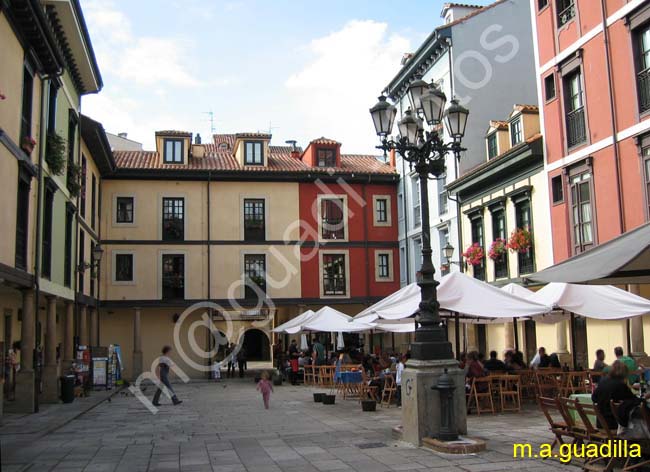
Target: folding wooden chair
(573, 420)
(528, 384)
(327, 375)
(310, 375)
(557, 420)
(390, 389)
(630, 463)
(574, 382)
(596, 434)
(509, 393)
(481, 395)
(547, 384)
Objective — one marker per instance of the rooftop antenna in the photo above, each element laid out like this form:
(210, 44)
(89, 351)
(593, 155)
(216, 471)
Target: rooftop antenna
(271, 127)
(211, 115)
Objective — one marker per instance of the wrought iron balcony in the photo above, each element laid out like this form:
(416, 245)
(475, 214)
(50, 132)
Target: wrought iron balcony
(643, 85)
(576, 130)
(566, 15)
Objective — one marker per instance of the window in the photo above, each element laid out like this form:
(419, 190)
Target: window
(557, 189)
(402, 264)
(173, 151)
(28, 94)
(254, 275)
(173, 227)
(332, 218)
(499, 232)
(477, 237)
(549, 87)
(93, 273)
(516, 134)
(493, 149)
(67, 259)
(93, 190)
(72, 131)
(82, 191)
(383, 266)
(581, 210)
(51, 107)
(417, 255)
(22, 220)
(48, 210)
(565, 11)
(642, 53)
(523, 219)
(645, 155)
(123, 267)
(253, 154)
(575, 113)
(124, 210)
(254, 220)
(443, 239)
(415, 197)
(326, 157)
(82, 259)
(443, 205)
(541, 4)
(173, 276)
(334, 281)
(381, 210)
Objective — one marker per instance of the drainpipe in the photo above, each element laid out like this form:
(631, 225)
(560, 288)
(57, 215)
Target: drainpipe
(612, 109)
(209, 270)
(406, 225)
(365, 240)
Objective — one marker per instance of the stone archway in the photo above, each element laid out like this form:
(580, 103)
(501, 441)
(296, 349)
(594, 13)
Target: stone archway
(257, 345)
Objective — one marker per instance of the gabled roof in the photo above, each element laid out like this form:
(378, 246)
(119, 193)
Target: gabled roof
(173, 132)
(93, 134)
(527, 108)
(324, 140)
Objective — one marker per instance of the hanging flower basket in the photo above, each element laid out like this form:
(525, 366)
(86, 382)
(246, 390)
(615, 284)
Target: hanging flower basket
(55, 153)
(74, 179)
(498, 249)
(474, 254)
(521, 240)
(28, 144)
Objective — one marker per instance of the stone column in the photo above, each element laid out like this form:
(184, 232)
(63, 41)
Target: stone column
(83, 325)
(509, 335)
(50, 391)
(562, 352)
(68, 354)
(25, 378)
(137, 345)
(472, 339)
(94, 326)
(636, 328)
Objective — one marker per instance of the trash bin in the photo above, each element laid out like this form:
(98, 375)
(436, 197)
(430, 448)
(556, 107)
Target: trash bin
(67, 388)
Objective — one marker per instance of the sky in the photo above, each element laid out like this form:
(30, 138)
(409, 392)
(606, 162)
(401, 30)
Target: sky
(299, 69)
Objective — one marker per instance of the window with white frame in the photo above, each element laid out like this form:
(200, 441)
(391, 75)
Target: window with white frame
(123, 267)
(124, 210)
(516, 133)
(403, 264)
(382, 210)
(173, 151)
(332, 218)
(415, 197)
(334, 274)
(253, 153)
(384, 266)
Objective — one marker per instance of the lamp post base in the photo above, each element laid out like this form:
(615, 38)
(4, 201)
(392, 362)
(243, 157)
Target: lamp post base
(421, 405)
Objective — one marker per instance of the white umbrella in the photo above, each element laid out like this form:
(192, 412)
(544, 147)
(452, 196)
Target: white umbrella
(290, 326)
(516, 289)
(303, 342)
(328, 319)
(340, 343)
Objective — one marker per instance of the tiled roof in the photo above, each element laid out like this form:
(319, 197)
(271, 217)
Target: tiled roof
(527, 108)
(217, 159)
(253, 135)
(173, 132)
(498, 124)
(480, 10)
(324, 140)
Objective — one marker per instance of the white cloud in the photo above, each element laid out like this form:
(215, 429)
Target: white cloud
(350, 67)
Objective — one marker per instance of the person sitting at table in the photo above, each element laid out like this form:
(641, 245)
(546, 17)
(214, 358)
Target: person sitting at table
(612, 387)
(599, 363)
(541, 359)
(474, 368)
(630, 363)
(512, 361)
(494, 364)
(554, 361)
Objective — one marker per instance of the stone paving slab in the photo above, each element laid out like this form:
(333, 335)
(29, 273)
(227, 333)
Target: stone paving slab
(221, 429)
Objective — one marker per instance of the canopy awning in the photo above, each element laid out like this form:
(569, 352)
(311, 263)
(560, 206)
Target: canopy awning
(623, 260)
(603, 302)
(293, 325)
(457, 293)
(328, 319)
(516, 289)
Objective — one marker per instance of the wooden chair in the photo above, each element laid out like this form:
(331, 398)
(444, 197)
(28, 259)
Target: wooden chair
(390, 389)
(630, 464)
(326, 375)
(557, 421)
(509, 393)
(547, 384)
(574, 382)
(480, 394)
(528, 384)
(573, 420)
(310, 375)
(596, 434)
(364, 390)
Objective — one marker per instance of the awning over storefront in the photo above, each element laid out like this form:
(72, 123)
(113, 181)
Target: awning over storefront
(623, 260)
(293, 326)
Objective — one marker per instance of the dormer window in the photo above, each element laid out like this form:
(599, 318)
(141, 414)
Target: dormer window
(516, 134)
(253, 153)
(326, 157)
(493, 149)
(223, 146)
(173, 151)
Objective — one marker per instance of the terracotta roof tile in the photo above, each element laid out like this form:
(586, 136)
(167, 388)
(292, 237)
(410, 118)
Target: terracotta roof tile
(324, 140)
(497, 124)
(527, 108)
(172, 132)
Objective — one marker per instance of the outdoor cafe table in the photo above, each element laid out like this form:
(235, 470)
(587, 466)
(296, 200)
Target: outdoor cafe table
(584, 398)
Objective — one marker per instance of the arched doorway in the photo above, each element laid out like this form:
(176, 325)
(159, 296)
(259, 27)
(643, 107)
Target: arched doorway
(256, 344)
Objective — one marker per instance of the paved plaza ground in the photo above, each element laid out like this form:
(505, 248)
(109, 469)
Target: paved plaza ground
(222, 427)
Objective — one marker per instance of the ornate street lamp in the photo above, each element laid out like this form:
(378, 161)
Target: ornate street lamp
(425, 151)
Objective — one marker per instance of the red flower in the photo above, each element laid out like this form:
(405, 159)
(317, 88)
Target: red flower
(474, 254)
(497, 249)
(521, 240)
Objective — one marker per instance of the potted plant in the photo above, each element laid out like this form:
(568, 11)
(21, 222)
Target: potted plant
(329, 399)
(474, 254)
(55, 153)
(521, 240)
(74, 179)
(368, 405)
(498, 248)
(318, 397)
(28, 144)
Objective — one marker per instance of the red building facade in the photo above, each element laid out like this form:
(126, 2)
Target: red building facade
(593, 61)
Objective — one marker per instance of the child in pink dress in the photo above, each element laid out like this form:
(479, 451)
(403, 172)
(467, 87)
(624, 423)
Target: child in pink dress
(265, 387)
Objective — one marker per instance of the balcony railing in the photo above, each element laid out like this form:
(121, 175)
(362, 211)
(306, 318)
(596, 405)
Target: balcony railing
(526, 262)
(575, 127)
(566, 15)
(643, 84)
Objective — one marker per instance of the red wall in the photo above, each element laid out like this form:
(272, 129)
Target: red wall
(363, 238)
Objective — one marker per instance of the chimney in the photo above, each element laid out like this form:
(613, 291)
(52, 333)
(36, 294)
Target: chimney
(197, 139)
(391, 159)
(295, 153)
(123, 134)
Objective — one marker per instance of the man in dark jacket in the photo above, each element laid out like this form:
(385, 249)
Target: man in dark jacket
(493, 363)
(612, 387)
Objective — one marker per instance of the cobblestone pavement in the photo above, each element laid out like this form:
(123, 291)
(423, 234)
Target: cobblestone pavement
(223, 427)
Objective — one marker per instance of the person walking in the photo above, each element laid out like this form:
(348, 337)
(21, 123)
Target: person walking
(162, 372)
(265, 387)
(294, 361)
(241, 362)
(318, 352)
